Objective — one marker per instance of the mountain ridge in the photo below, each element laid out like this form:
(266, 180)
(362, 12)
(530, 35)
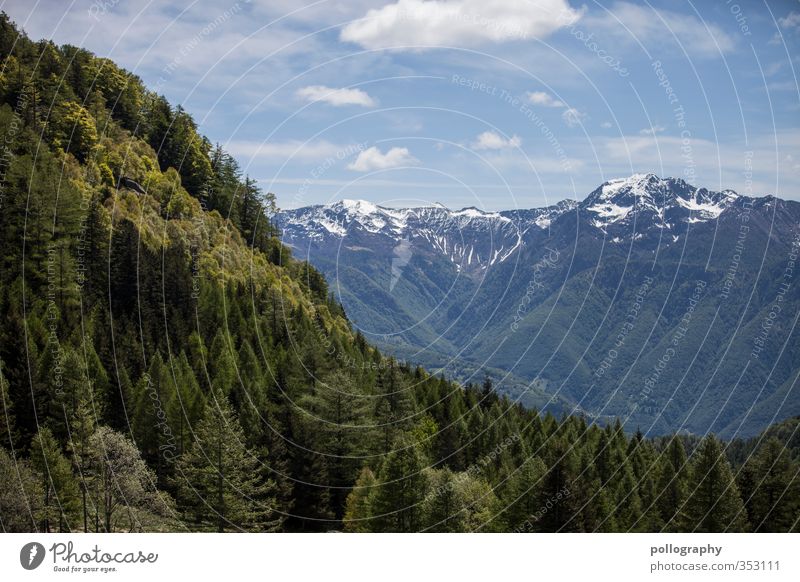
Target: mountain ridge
(468, 275)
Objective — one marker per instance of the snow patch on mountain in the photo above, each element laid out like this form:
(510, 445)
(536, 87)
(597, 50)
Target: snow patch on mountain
(666, 201)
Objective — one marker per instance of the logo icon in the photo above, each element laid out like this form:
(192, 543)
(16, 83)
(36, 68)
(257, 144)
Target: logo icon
(31, 555)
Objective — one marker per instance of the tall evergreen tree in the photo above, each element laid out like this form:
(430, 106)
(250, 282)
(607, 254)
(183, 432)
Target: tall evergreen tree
(673, 486)
(61, 504)
(774, 499)
(714, 503)
(222, 483)
(396, 502)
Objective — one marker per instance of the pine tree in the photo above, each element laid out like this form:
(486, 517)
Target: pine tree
(628, 504)
(714, 503)
(560, 478)
(8, 434)
(642, 459)
(396, 502)
(521, 497)
(337, 414)
(61, 503)
(774, 502)
(357, 509)
(222, 483)
(673, 486)
(443, 507)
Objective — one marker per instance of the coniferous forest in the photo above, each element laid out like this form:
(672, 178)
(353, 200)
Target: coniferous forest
(167, 365)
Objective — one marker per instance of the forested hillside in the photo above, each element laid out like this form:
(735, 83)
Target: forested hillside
(165, 365)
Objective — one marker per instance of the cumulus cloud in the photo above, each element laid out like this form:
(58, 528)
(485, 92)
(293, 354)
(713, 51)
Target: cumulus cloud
(573, 117)
(373, 159)
(421, 23)
(606, 125)
(652, 130)
(490, 140)
(791, 21)
(336, 97)
(544, 99)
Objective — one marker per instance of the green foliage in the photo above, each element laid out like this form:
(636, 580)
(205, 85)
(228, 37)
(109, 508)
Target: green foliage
(714, 503)
(61, 503)
(20, 495)
(396, 502)
(223, 483)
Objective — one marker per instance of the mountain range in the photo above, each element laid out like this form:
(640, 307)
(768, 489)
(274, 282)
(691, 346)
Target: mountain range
(669, 305)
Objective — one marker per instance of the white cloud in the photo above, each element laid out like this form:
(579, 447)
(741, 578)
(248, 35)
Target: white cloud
(573, 117)
(544, 99)
(373, 159)
(424, 23)
(336, 97)
(791, 21)
(291, 149)
(606, 125)
(490, 140)
(652, 130)
(632, 22)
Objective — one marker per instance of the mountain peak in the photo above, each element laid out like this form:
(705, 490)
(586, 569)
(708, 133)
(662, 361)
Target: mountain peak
(669, 200)
(358, 206)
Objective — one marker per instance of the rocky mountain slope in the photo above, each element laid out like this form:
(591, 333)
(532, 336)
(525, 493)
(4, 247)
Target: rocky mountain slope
(651, 298)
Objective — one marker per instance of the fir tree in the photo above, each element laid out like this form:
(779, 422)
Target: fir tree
(222, 483)
(396, 502)
(62, 502)
(673, 486)
(714, 503)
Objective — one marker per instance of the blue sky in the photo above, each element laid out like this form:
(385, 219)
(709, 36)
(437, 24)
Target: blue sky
(489, 103)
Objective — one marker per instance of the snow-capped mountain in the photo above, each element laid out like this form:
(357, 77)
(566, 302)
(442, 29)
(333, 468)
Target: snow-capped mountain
(474, 239)
(651, 202)
(470, 238)
(525, 294)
